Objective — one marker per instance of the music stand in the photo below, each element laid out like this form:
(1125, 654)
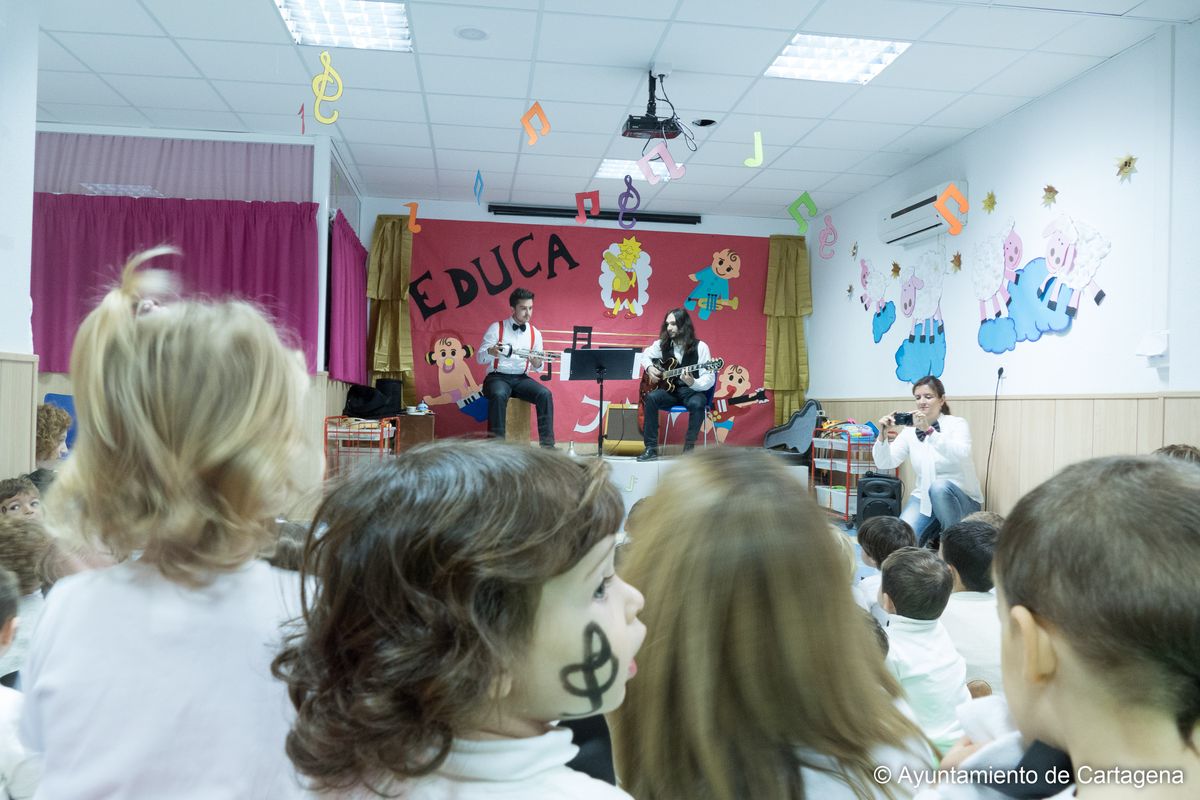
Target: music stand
(589, 364)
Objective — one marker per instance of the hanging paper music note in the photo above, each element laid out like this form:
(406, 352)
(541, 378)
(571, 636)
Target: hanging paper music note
(674, 170)
(581, 198)
(623, 201)
(319, 84)
(301, 115)
(478, 185)
(952, 193)
(535, 110)
(794, 210)
(412, 217)
(756, 159)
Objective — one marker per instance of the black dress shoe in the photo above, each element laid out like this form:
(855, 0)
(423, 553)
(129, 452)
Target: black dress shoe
(649, 454)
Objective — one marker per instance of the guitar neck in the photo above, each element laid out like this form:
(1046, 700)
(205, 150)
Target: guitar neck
(671, 373)
(754, 397)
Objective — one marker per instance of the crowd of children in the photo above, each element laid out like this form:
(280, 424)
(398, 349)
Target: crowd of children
(452, 622)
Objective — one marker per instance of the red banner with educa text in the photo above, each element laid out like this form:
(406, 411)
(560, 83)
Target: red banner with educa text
(620, 283)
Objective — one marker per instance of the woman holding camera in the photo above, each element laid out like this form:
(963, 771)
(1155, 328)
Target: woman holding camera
(939, 447)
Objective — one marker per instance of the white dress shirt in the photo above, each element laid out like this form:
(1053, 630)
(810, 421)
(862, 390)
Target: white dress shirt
(704, 378)
(932, 674)
(971, 621)
(945, 453)
(528, 339)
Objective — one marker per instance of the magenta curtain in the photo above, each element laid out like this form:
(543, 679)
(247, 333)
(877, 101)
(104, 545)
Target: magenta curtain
(347, 304)
(263, 252)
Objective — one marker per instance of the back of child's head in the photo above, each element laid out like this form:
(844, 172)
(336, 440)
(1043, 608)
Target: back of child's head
(1183, 452)
(918, 582)
(23, 546)
(190, 428)
(430, 568)
(10, 596)
(879, 537)
(968, 547)
(989, 517)
(288, 550)
(52, 426)
(1107, 553)
(13, 490)
(738, 678)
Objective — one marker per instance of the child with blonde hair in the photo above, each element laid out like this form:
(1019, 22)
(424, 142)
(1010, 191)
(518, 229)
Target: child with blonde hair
(152, 678)
(761, 679)
(466, 599)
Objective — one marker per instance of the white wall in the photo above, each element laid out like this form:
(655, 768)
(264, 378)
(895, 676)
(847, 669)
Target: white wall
(18, 65)
(1071, 140)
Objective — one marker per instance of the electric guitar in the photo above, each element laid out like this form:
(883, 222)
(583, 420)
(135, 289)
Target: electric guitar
(666, 379)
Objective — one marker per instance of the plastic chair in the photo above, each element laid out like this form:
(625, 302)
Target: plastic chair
(675, 411)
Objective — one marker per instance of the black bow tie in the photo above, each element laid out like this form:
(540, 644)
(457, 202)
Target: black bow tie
(520, 327)
(933, 426)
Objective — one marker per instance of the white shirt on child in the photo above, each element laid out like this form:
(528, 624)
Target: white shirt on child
(29, 611)
(18, 770)
(533, 768)
(971, 621)
(138, 687)
(932, 674)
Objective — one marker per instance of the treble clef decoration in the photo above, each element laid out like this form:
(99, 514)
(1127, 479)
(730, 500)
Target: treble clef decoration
(622, 200)
(319, 84)
(597, 654)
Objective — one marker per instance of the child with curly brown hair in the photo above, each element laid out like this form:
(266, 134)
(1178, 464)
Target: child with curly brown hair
(52, 426)
(466, 599)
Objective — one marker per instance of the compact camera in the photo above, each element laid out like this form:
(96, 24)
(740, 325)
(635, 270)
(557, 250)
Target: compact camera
(903, 417)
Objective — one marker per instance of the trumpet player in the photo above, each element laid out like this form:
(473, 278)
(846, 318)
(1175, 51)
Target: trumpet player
(509, 370)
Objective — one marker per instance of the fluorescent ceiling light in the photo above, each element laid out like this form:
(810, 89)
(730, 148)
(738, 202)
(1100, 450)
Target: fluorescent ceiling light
(834, 58)
(122, 189)
(360, 24)
(617, 169)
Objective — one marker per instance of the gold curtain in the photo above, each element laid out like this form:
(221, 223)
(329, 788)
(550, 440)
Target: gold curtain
(788, 301)
(389, 339)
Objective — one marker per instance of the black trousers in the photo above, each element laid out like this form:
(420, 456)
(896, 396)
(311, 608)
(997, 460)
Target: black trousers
(499, 386)
(661, 400)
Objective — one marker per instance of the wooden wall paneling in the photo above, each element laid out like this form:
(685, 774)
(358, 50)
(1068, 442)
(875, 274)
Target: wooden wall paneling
(1035, 442)
(1073, 430)
(1002, 480)
(18, 409)
(1181, 420)
(1114, 426)
(1149, 424)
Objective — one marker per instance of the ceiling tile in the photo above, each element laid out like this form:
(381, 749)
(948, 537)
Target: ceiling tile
(883, 104)
(185, 118)
(1090, 6)
(634, 9)
(691, 191)
(239, 61)
(769, 210)
(691, 90)
(531, 197)
(781, 197)
(953, 68)
(851, 183)
(891, 19)
(548, 183)
(475, 76)
(828, 200)
(267, 98)
(977, 110)
(578, 39)
(128, 54)
(886, 164)
(733, 153)
(75, 87)
(853, 135)
(927, 140)
(775, 130)
(375, 104)
(713, 174)
(418, 175)
(382, 155)
(153, 91)
(1000, 27)
(470, 137)
(1169, 10)
(97, 115)
(414, 134)
(787, 97)
(1101, 36)
(525, 4)
(565, 143)
(818, 159)
(52, 55)
(617, 85)
(584, 117)
(45, 115)
(459, 184)
(1038, 73)
(111, 16)
(510, 31)
(491, 112)
(796, 180)
(787, 16)
(235, 20)
(363, 69)
(558, 165)
(287, 124)
(735, 51)
(471, 160)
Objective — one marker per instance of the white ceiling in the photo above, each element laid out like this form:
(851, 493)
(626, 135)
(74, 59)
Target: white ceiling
(418, 125)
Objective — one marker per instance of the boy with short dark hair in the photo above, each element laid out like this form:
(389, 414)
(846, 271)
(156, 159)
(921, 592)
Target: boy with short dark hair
(915, 588)
(24, 544)
(19, 497)
(879, 537)
(970, 616)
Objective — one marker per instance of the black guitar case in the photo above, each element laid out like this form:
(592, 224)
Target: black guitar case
(796, 434)
(878, 496)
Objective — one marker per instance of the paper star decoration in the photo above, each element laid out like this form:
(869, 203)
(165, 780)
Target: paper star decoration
(895, 269)
(1049, 195)
(1126, 168)
(989, 202)
(854, 250)
(956, 262)
(850, 291)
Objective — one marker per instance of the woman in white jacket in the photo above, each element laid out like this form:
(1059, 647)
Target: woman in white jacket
(939, 447)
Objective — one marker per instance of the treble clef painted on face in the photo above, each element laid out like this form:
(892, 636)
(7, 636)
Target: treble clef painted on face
(622, 204)
(597, 655)
(319, 83)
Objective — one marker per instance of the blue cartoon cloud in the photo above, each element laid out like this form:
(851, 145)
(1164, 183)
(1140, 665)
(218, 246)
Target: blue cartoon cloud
(998, 335)
(882, 322)
(1030, 315)
(916, 359)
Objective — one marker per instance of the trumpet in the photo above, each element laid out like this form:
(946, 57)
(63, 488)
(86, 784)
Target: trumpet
(521, 352)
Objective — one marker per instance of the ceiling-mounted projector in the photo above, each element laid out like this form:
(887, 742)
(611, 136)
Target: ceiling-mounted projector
(650, 126)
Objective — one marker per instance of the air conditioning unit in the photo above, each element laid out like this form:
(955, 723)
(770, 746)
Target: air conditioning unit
(918, 218)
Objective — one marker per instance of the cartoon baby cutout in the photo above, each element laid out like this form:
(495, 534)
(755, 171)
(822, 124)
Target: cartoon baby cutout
(732, 397)
(456, 384)
(711, 292)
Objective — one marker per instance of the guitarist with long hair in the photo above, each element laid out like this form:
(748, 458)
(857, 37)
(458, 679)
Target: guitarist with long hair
(677, 346)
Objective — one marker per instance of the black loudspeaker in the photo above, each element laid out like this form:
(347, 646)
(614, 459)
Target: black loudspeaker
(878, 496)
